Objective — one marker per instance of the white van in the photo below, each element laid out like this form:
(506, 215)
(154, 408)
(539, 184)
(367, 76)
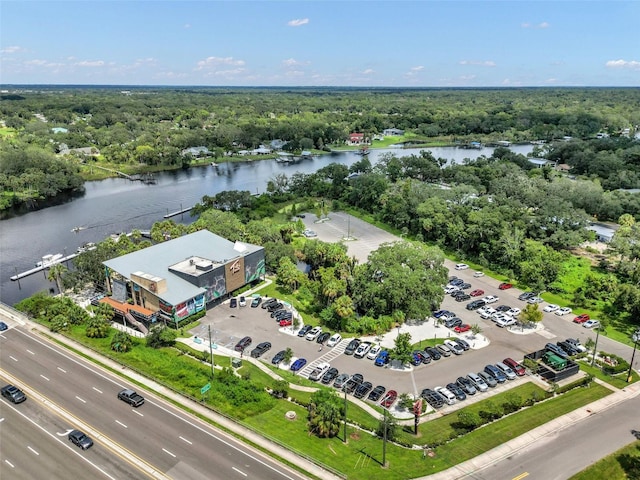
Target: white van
(447, 394)
(461, 266)
(478, 382)
(511, 375)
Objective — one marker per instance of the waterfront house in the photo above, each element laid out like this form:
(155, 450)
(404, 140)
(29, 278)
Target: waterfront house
(392, 132)
(196, 152)
(356, 138)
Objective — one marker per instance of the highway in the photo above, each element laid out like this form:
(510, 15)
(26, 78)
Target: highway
(35, 445)
(157, 437)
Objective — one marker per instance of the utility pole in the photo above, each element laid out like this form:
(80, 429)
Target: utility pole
(345, 416)
(636, 338)
(384, 437)
(211, 351)
(595, 347)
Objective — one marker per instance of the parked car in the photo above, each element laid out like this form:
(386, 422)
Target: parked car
(478, 274)
(275, 306)
(496, 373)
(526, 296)
(591, 324)
(389, 399)
(304, 330)
(476, 304)
(278, 357)
(362, 350)
(256, 301)
(80, 439)
(373, 352)
(451, 289)
(416, 358)
(242, 344)
(478, 382)
(456, 281)
(318, 372)
(576, 344)
(552, 307)
(454, 347)
(335, 339)
(298, 364)
(504, 368)
(465, 327)
(448, 395)
(583, 317)
(269, 301)
(463, 343)
(13, 394)
(457, 391)
(569, 348)
(323, 337)
(452, 322)
(382, 359)
(433, 352)
(260, 349)
(505, 286)
(462, 298)
(444, 350)
(341, 380)
(514, 312)
(286, 322)
(487, 312)
(552, 347)
(233, 303)
(461, 266)
(441, 313)
(376, 393)
(426, 357)
(505, 321)
(488, 379)
(352, 346)
(313, 333)
(490, 299)
(535, 299)
(503, 308)
(363, 389)
(465, 384)
(433, 398)
(242, 302)
(476, 293)
(353, 382)
(3, 326)
(330, 376)
(563, 311)
(447, 316)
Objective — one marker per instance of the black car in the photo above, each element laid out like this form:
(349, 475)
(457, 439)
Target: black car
(13, 394)
(503, 308)
(452, 278)
(465, 286)
(476, 304)
(3, 326)
(433, 353)
(304, 330)
(329, 376)
(376, 393)
(80, 439)
(432, 397)
(351, 348)
(457, 391)
(242, 344)
(260, 349)
(463, 343)
(233, 303)
(457, 293)
(353, 382)
(255, 302)
(526, 296)
(280, 313)
(567, 347)
(275, 306)
(323, 337)
(363, 389)
(268, 302)
(463, 298)
(452, 322)
(552, 347)
(278, 357)
(465, 384)
(283, 315)
(426, 357)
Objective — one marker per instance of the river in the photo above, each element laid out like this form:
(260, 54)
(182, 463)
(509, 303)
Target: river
(117, 205)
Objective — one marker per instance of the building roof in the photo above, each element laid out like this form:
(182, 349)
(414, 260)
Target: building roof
(159, 261)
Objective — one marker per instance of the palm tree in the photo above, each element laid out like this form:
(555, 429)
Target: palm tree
(55, 274)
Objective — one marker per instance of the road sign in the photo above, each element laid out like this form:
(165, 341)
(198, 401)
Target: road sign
(205, 389)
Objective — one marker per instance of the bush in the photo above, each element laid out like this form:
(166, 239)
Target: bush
(621, 365)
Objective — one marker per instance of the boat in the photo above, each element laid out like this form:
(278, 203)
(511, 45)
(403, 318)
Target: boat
(86, 247)
(49, 259)
(363, 151)
(77, 229)
(214, 164)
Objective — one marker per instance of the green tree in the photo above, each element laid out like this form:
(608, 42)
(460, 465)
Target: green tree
(531, 315)
(402, 349)
(288, 355)
(56, 273)
(390, 424)
(326, 412)
(288, 274)
(161, 337)
(59, 323)
(476, 329)
(121, 342)
(98, 327)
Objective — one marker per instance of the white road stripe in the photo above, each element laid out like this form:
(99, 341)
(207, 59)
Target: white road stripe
(239, 471)
(99, 391)
(29, 351)
(167, 451)
(62, 370)
(9, 463)
(81, 399)
(120, 423)
(13, 358)
(33, 450)
(185, 440)
(45, 378)
(137, 412)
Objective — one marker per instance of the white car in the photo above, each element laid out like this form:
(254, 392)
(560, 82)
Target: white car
(310, 234)
(450, 289)
(514, 312)
(478, 274)
(461, 266)
(551, 308)
(335, 339)
(362, 350)
(535, 300)
(447, 394)
(505, 321)
(455, 348)
(313, 333)
(591, 324)
(563, 311)
(488, 312)
(490, 299)
(373, 352)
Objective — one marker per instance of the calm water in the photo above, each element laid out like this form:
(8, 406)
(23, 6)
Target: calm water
(118, 205)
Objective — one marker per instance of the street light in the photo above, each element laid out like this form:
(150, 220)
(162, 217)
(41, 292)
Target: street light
(595, 347)
(636, 338)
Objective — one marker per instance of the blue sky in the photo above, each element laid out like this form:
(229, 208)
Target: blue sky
(321, 43)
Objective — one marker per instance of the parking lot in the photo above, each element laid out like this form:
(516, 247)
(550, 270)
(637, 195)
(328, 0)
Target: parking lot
(228, 325)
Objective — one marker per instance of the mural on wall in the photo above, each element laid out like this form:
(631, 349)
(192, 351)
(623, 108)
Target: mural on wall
(216, 286)
(119, 291)
(254, 266)
(188, 308)
(166, 307)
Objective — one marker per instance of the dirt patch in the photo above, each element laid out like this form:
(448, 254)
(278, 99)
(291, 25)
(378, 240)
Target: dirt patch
(354, 436)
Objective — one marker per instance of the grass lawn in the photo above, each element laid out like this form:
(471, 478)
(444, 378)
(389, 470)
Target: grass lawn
(621, 465)
(618, 381)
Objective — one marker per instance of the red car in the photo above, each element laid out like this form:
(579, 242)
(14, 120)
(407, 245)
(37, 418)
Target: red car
(286, 322)
(465, 327)
(477, 293)
(515, 366)
(505, 286)
(581, 318)
(389, 398)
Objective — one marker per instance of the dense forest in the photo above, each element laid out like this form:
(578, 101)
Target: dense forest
(147, 128)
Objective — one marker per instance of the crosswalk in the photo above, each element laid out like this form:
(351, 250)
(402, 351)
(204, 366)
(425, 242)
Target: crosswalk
(327, 357)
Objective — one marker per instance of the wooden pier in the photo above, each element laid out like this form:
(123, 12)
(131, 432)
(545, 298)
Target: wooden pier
(19, 276)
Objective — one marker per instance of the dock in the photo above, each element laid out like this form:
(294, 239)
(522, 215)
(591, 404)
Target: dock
(43, 267)
(173, 214)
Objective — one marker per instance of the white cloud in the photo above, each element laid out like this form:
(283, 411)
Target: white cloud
(211, 63)
(90, 63)
(551, 80)
(631, 64)
(486, 63)
(543, 25)
(295, 73)
(11, 49)
(539, 25)
(417, 69)
(368, 71)
(292, 62)
(298, 22)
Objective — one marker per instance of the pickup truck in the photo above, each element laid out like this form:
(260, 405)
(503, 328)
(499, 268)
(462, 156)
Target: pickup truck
(131, 397)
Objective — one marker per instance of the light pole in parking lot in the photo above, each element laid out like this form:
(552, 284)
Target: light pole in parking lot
(636, 338)
(595, 347)
(345, 416)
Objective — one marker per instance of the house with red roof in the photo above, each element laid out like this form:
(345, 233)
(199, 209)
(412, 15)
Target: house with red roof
(356, 138)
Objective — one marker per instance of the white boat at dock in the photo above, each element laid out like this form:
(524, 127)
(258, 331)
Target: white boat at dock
(50, 259)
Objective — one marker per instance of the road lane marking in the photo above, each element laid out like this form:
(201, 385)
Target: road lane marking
(62, 370)
(119, 422)
(44, 377)
(185, 440)
(81, 399)
(239, 471)
(29, 351)
(1, 419)
(9, 463)
(521, 476)
(137, 412)
(99, 391)
(167, 451)
(13, 358)
(33, 450)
